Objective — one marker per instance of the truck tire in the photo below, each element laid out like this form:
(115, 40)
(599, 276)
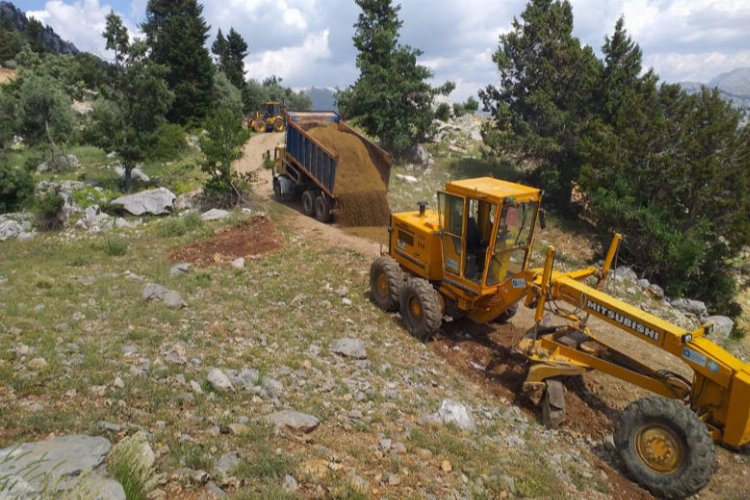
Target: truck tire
(308, 203)
(322, 209)
(420, 308)
(664, 447)
(386, 281)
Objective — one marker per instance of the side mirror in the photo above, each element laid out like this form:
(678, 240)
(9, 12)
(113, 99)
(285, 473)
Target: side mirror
(542, 220)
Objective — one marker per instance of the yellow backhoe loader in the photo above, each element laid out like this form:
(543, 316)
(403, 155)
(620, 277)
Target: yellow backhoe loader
(471, 258)
(270, 118)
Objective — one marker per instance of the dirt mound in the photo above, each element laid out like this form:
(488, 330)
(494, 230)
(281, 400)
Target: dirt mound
(254, 237)
(360, 191)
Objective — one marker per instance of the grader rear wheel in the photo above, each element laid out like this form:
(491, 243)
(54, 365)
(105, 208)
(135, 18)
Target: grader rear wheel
(259, 126)
(386, 280)
(664, 447)
(420, 308)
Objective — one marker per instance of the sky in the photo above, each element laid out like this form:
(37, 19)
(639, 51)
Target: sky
(309, 42)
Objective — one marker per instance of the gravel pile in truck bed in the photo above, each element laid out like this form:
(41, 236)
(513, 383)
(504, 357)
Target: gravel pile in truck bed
(359, 189)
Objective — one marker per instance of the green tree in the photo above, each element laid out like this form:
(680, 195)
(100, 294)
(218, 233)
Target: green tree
(44, 110)
(226, 95)
(222, 146)
(391, 99)
(176, 33)
(11, 41)
(230, 53)
(543, 100)
(141, 98)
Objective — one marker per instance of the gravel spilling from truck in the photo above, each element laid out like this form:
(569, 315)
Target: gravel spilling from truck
(360, 190)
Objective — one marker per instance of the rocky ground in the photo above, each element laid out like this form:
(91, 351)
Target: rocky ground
(216, 353)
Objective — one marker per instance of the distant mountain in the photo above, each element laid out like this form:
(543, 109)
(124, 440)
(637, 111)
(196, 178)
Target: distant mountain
(322, 99)
(16, 30)
(733, 86)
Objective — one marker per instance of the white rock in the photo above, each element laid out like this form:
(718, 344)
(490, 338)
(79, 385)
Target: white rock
(723, 326)
(690, 306)
(625, 273)
(350, 348)
(152, 202)
(214, 214)
(239, 263)
(293, 420)
(454, 412)
(409, 179)
(219, 381)
(152, 291)
(180, 269)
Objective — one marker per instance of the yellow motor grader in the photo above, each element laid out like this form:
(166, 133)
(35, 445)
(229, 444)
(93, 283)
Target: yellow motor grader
(270, 118)
(471, 258)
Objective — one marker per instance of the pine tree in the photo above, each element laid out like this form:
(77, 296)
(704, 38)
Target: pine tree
(176, 34)
(237, 50)
(220, 49)
(544, 97)
(391, 99)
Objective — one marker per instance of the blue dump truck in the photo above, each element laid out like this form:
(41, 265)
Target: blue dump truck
(306, 168)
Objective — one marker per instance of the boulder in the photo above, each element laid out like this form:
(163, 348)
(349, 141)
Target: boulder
(292, 420)
(15, 226)
(409, 179)
(54, 463)
(136, 174)
(187, 201)
(454, 412)
(656, 291)
(219, 381)
(180, 269)
(723, 326)
(690, 306)
(418, 154)
(152, 202)
(349, 348)
(152, 291)
(59, 164)
(625, 273)
(214, 214)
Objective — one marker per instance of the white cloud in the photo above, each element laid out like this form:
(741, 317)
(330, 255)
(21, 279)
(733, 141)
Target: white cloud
(81, 22)
(291, 63)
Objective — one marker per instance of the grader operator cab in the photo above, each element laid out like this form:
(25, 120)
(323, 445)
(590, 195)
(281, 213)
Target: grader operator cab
(270, 118)
(471, 258)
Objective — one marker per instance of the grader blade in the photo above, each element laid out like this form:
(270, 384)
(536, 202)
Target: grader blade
(553, 404)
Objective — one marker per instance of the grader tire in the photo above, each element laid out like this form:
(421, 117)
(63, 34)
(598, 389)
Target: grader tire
(278, 125)
(664, 447)
(308, 203)
(259, 126)
(420, 308)
(506, 315)
(386, 281)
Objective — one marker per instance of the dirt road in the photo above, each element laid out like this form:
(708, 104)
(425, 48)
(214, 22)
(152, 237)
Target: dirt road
(327, 234)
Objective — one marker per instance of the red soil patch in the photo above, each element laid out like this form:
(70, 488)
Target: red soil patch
(256, 236)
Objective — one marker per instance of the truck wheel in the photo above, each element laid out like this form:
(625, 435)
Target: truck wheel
(308, 203)
(278, 125)
(386, 280)
(420, 308)
(664, 447)
(322, 209)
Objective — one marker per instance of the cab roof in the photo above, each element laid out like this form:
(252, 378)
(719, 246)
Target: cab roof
(494, 189)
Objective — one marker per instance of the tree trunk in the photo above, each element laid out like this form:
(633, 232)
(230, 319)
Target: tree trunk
(128, 178)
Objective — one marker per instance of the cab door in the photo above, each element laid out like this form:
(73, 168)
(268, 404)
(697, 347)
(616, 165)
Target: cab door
(452, 211)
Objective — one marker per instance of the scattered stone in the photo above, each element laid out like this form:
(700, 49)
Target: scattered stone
(219, 381)
(346, 301)
(293, 420)
(350, 348)
(273, 387)
(456, 413)
(695, 307)
(409, 179)
(15, 226)
(359, 484)
(385, 444)
(238, 429)
(418, 154)
(239, 264)
(193, 476)
(342, 291)
(180, 269)
(227, 464)
(247, 378)
(644, 283)
(215, 490)
(656, 291)
(175, 355)
(723, 326)
(446, 466)
(54, 463)
(214, 214)
(109, 426)
(188, 201)
(137, 450)
(289, 484)
(430, 419)
(38, 364)
(196, 387)
(152, 202)
(119, 383)
(136, 174)
(22, 351)
(170, 298)
(393, 480)
(398, 448)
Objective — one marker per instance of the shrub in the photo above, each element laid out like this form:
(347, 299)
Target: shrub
(180, 226)
(443, 112)
(49, 212)
(16, 186)
(222, 145)
(170, 142)
(114, 246)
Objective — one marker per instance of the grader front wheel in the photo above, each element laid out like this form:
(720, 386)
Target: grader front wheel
(664, 447)
(386, 280)
(420, 308)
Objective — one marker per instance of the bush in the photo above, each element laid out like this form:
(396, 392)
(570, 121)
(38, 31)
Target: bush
(170, 143)
(443, 112)
(16, 186)
(114, 246)
(222, 145)
(49, 216)
(180, 226)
